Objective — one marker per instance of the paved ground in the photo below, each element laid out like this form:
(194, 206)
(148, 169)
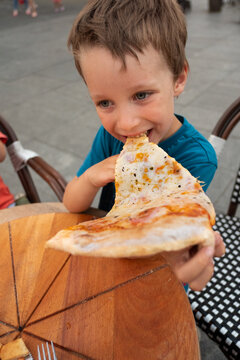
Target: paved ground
(45, 101)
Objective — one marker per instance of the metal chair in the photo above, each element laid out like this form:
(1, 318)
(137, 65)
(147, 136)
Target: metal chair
(23, 159)
(217, 308)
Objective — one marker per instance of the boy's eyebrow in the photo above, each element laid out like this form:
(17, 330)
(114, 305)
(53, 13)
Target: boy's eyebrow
(147, 85)
(97, 97)
(140, 86)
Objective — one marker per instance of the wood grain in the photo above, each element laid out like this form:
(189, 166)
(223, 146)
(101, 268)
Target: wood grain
(9, 336)
(5, 329)
(8, 304)
(154, 319)
(36, 268)
(33, 342)
(138, 320)
(76, 281)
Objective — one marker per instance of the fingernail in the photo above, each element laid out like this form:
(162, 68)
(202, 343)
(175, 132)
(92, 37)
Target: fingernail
(209, 251)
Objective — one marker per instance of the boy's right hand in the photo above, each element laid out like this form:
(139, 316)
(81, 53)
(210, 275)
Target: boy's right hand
(80, 191)
(103, 172)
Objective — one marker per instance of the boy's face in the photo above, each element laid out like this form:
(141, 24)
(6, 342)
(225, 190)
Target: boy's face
(135, 100)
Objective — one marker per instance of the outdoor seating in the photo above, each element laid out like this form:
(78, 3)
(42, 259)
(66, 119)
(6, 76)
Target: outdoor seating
(216, 308)
(23, 159)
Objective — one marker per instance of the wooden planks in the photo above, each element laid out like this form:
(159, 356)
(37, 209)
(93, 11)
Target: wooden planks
(8, 301)
(77, 284)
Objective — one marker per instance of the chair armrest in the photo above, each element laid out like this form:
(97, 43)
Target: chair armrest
(21, 158)
(49, 175)
(228, 120)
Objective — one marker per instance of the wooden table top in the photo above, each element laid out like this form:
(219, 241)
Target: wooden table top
(91, 308)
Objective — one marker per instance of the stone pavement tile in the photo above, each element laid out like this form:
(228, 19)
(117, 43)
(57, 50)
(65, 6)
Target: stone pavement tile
(219, 97)
(204, 120)
(199, 63)
(45, 12)
(22, 66)
(61, 160)
(209, 350)
(199, 83)
(64, 70)
(42, 114)
(222, 185)
(232, 79)
(75, 137)
(23, 90)
(78, 90)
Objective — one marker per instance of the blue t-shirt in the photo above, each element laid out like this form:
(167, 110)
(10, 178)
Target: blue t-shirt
(187, 146)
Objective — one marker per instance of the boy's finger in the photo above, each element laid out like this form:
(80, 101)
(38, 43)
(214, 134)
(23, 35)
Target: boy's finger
(220, 249)
(193, 268)
(219, 245)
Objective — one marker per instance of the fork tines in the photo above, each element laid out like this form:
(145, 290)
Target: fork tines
(48, 356)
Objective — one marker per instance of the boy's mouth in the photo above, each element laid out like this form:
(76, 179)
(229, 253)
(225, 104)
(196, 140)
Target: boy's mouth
(148, 132)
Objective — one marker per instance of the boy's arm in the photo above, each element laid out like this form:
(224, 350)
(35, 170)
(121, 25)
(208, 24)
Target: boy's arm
(81, 191)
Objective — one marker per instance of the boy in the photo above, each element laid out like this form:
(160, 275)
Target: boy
(131, 55)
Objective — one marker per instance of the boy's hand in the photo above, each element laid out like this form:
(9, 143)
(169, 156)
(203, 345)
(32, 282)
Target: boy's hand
(198, 269)
(103, 172)
(80, 191)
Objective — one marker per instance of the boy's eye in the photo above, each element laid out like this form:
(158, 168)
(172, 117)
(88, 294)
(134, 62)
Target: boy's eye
(104, 103)
(142, 95)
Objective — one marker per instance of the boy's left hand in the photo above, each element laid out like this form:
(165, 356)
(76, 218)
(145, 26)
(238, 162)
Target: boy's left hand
(198, 269)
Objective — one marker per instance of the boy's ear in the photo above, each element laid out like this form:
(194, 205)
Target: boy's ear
(181, 81)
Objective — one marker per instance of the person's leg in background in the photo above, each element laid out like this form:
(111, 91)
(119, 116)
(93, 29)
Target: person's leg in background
(28, 8)
(15, 7)
(33, 8)
(58, 5)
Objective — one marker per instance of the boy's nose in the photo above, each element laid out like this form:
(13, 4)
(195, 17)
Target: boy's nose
(128, 122)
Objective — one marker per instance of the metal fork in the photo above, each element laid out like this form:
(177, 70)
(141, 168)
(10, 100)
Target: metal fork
(43, 356)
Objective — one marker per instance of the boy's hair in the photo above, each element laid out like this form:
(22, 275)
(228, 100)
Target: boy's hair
(129, 26)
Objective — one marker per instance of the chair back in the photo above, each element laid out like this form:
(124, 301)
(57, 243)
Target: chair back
(22, 159)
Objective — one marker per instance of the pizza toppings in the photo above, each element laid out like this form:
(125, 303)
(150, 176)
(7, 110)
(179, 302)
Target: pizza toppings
(159, 206)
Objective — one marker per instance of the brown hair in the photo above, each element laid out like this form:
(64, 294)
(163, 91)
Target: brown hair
(129, 26)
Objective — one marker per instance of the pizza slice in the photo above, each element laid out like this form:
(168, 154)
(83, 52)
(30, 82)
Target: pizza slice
(159, 206)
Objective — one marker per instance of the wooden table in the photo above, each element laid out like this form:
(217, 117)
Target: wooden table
(91, 308)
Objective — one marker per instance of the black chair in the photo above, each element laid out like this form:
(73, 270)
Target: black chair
(23, 159)
(217, 308)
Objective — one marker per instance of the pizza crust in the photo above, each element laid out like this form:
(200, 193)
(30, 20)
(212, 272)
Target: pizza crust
(138, 241)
